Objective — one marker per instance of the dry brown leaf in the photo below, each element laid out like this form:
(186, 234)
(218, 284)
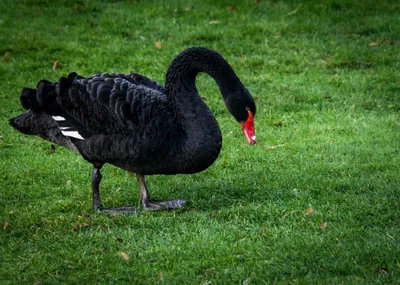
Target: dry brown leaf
(187, 9)
(232, 9)
(323, 226)
(125, 256)
(55, 65)
(160, 277)
(158, 45)
(5, 56)
(79, 8)
(373, 44)
(309, 211)
(257, 1)
(5, 225)
(78, 226)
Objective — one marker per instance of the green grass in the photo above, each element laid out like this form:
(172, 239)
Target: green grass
(326, 79)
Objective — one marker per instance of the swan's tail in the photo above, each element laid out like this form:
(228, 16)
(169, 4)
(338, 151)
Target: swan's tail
(42, 106)
(37, 101)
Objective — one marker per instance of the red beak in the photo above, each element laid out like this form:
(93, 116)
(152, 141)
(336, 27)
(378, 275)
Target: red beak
(248, 128)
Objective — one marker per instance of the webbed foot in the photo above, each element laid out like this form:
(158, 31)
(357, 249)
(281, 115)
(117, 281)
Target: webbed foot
(163, 205)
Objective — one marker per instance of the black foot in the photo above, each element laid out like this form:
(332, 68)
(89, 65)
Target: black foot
(163, 205)
(121, 210)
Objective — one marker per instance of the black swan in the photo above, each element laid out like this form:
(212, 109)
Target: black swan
(135, 123)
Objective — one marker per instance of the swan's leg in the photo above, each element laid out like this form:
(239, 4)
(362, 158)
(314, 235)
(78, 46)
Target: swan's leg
(96, 178)
(97, 205)
(148, 204)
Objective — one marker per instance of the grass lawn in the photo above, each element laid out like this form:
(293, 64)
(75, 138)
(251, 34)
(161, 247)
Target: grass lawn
(315, 201)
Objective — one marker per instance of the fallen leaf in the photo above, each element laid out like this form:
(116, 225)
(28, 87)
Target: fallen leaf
(257, 1)
(160, 277)
(232, 9)
(5, 225)
(187, 9)
(5, 56)
(55, 65)
(309, 211)
(373, 44)
(382, 270)
(158, 45)
(38, 282)
(77, 226)
(323, 226)
(213, 22)
(125, 256)
(79, 8)
(68, 182)
(204, 98)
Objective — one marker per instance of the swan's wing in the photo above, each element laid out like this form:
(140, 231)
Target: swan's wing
(106, 104)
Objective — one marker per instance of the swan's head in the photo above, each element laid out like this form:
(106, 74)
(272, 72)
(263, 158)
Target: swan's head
(241, 105)
(248, 128)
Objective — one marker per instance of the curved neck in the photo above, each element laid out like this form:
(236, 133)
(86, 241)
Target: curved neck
(202, 133)
(185, 67)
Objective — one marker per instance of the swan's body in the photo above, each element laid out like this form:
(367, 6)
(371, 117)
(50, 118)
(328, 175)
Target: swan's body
(135, 123)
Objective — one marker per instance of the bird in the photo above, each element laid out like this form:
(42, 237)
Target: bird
(136, 123)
